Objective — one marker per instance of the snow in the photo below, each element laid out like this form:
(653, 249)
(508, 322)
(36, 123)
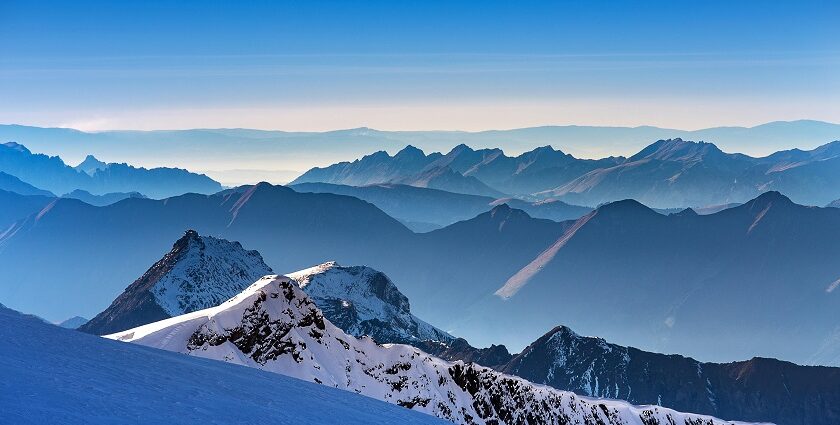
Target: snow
(208, 272)
(52, 375)
(274, 326)
(373, 297)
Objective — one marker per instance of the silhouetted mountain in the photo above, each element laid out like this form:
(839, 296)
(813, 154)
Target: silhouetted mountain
(423, 205)
(763, 271)
(444, 178)
(759, 389)
(73, 322)
(378, 167)
(91, 165)
(11, 183)
(53, 174)
(99, 249)
(461, 170)
(16, 206)
(101, 200)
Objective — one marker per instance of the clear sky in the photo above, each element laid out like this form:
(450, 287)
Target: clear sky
(315, 65)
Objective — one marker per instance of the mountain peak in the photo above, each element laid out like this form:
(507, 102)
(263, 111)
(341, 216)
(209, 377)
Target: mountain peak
(772, 196)
(90, 165)
(460, 149)
(361, 301)
(15, 146)
(199, 272)
(410, 152)
(625, 206)
(676, 149)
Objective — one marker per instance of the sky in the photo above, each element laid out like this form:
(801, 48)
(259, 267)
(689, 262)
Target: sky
(410, 65)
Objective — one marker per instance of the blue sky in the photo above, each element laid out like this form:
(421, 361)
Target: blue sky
(417, 65)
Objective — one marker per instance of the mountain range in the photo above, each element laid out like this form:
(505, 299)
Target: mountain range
(94, 176)
(651, 278)
(274, 326)
(245, 150)
(759, 389)
(666, 174)
(363, 302)
(202, 271)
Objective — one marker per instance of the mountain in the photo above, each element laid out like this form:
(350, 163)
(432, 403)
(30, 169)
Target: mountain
(101, 249)
(378, 167)
(73, 322)
(675, 172)
(363, 301)
(91, 165)
(444, 178)
(101, 200)
(107, 382)
(834, 204)
(275, 327)
(461, 170)
(759, 389)
(669, 173)
(412, 204)
(623, 272)
(469, 260)
(51, 173)
(11, 183)
(199, 272)
(259, 150)
(17, 206)
(762, 271)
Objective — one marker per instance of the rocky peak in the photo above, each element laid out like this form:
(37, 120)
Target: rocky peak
(363, 301)
(90, 165)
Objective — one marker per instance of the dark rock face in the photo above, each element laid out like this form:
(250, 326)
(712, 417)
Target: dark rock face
(755, 390)
(495, 356)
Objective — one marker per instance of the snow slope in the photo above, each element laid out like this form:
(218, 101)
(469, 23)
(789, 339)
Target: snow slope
(363, 301)
(274, 326)
(52, 375)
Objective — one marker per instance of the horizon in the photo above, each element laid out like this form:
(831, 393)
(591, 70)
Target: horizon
(438, 130)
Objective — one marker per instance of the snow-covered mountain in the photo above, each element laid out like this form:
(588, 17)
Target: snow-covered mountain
(756, 389)
(53, 375)
(199, 272)
(274, 326)
(363, 301)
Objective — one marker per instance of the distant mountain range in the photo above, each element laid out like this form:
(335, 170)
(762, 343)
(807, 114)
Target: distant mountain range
(666, 174)
(764, 268)
(11, 183)
(96, 177)
(275, 327)
(243, 149)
